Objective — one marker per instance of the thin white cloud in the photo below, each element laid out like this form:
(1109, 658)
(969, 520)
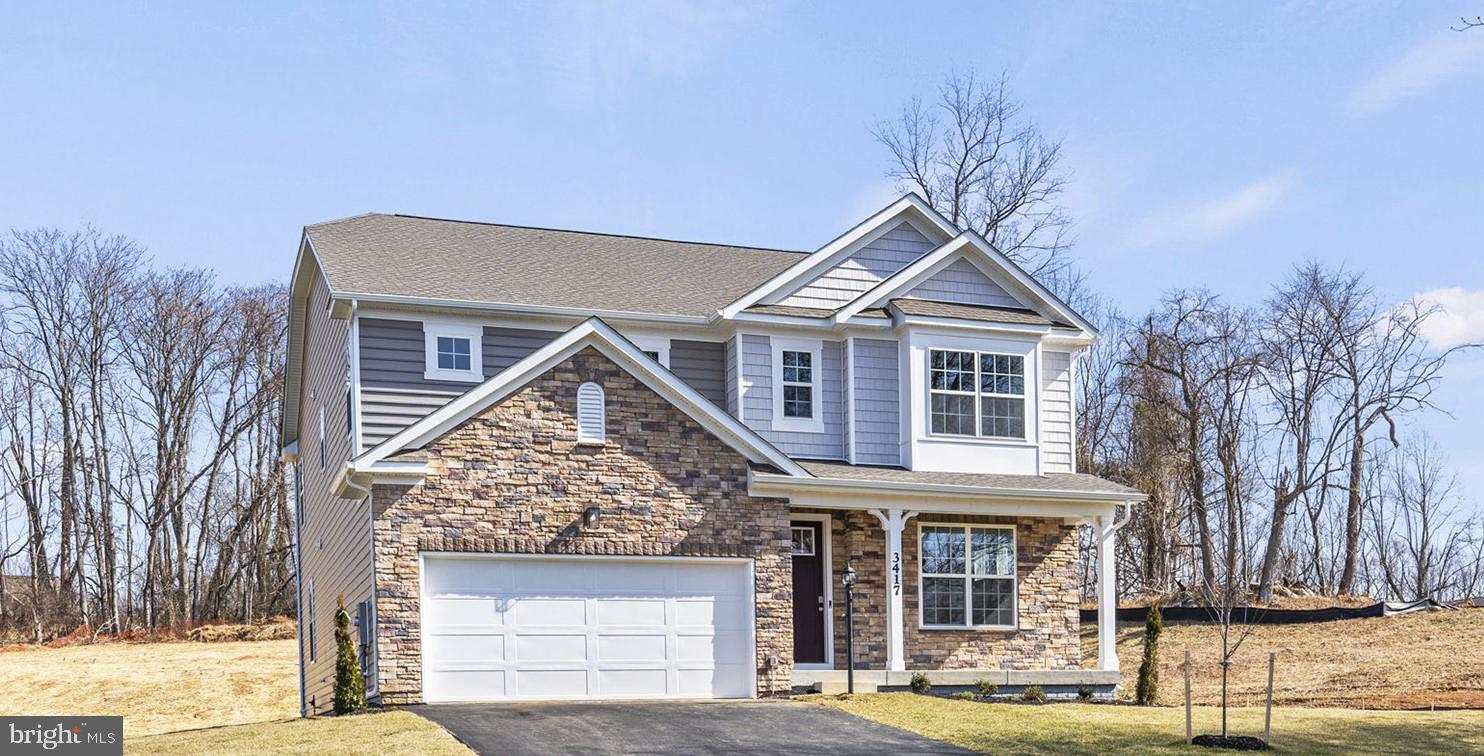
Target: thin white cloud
(1211, 219)
(1421, 69)
(1459, 317)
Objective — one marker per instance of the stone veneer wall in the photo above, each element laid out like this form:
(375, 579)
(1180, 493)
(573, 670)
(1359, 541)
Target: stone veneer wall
(512, 478)
(1048, 618)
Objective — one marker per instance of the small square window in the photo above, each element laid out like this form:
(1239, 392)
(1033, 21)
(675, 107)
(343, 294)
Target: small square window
(802, 541)
(453, 353)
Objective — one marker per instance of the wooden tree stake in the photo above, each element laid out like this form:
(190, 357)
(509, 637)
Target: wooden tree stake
(1267, 717)
(1188, 736)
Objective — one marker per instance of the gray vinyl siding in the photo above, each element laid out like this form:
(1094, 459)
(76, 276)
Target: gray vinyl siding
(335, 537)
(1056, 412)
(962, 283)
(865, 268)
(702, 365)
(877, 403)
(394, 393)
(731, 378)
(757, 400)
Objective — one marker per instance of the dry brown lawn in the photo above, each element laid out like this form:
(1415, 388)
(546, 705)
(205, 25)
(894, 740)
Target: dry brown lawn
(392, 733)
(1409, 661)
(156, 687)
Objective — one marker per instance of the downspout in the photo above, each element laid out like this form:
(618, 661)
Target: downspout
(298, 581)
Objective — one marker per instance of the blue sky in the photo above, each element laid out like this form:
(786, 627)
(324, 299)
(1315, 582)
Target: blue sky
(1212, 144)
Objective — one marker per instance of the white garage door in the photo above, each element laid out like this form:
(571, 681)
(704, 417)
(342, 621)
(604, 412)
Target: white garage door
(546, 628)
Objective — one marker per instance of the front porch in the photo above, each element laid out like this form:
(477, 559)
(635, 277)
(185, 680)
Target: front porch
(964, 585)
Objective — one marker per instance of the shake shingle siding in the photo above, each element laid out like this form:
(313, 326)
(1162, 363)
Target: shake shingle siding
(963, 283)
(873, 263)
(731, 378)
(877, 403)
(1056, 411)
(757, 400)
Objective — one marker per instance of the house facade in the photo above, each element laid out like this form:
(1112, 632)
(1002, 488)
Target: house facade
(540, 464)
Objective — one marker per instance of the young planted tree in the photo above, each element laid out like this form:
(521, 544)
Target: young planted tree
(350, 686)
(1148, 686)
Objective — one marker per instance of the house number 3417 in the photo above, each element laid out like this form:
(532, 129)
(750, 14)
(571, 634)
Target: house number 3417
(896, 573)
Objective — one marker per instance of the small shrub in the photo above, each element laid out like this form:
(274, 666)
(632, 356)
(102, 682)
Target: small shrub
(986, 688)
(962, 695)
(350, 686)
(921, 683)
(1148, 685)
(1033, 694)
(1084, 693)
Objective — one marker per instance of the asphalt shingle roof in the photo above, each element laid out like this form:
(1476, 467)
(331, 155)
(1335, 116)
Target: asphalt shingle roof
(411, 256)
(1075, 482)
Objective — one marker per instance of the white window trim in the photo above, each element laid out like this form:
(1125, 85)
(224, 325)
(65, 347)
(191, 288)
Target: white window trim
(815, 347)
(968, 576)
(660, 345)
(1024, 396)
(432, 329)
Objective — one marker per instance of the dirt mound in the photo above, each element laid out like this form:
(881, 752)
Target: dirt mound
(281, 629)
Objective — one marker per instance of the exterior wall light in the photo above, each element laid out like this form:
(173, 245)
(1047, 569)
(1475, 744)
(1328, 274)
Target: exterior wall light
(590, 517)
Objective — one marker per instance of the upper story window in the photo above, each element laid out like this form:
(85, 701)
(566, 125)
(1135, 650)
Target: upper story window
(796, 380)
(322, 437)
(656, 347)
(968, 575)
(454, 352)
(976, 393)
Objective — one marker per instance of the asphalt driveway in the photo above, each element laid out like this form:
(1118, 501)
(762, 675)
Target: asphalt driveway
(722, 727)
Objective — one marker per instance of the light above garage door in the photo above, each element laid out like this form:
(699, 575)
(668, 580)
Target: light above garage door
(499, 627)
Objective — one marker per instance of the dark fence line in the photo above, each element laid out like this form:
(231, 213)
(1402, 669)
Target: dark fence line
(1260, 616)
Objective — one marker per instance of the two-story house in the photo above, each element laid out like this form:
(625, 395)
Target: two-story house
(542, 464)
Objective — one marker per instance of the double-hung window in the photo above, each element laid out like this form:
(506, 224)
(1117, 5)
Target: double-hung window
(976, 393)
(453, 352)
(968, 575)
(797, 402)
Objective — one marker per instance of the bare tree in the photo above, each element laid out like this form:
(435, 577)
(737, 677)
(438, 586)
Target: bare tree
(977, 161)
(1424, 545)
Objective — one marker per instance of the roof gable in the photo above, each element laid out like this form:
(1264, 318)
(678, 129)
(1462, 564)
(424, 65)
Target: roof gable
(962, 282)
(910, 208)
(872, 262)
(600, 336)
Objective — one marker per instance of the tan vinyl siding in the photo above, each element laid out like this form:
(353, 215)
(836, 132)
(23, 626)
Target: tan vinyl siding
(1056, 411)
(335, 538)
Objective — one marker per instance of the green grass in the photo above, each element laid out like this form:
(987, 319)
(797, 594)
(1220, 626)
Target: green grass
(392, 733)
(1106, 729)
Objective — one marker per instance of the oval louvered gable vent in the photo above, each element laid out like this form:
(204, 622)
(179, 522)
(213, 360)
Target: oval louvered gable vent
(592, 421)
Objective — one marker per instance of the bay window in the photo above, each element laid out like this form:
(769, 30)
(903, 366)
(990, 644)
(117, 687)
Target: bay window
(967, 576)
(976, 393)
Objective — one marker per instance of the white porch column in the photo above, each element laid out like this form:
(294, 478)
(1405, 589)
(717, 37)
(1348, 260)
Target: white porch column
(894, 521)
(1107, 594)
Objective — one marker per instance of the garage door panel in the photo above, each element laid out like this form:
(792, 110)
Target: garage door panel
(633, 683)
(534, 647)
(558, 627)
(552, 683)
(462, 648)
(542, 576)
(638, 579)
(549, 611)
(713, 683)
(631, 612)
(724, 613)
(467, 684)
(462, 611)
(631, 647)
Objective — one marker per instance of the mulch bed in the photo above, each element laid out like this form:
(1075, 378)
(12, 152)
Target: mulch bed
(1231, 742)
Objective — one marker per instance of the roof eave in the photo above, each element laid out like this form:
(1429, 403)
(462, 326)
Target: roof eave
(765, 481)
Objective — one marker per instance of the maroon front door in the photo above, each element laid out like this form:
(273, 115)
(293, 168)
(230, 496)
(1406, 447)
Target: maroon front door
(809, 601)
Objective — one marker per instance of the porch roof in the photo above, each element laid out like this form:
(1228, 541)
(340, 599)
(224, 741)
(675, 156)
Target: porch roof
(1051, 482)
